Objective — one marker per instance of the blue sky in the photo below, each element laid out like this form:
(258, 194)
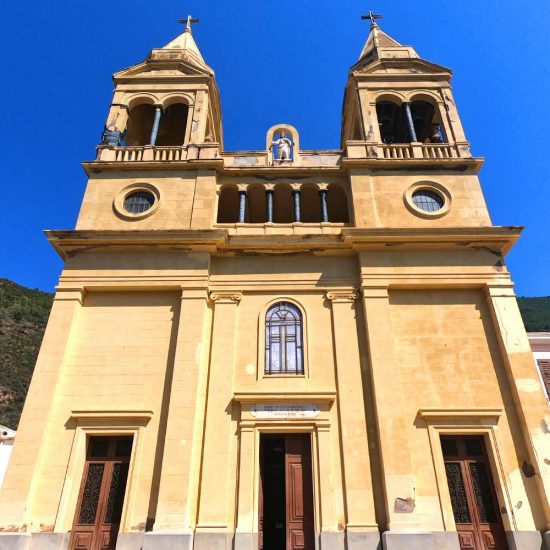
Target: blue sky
(274, 62)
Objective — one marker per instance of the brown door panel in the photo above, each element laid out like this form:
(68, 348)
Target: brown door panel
(472, 492)
(286, 514)
(101, 495)
(299, 490)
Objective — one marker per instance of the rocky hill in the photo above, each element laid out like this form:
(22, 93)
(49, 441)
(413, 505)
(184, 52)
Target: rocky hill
(24, 314)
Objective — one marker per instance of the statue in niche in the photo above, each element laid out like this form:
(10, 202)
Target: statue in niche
(283, 146)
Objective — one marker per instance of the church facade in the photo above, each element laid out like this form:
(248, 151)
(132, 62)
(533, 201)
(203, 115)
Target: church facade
(282, 349)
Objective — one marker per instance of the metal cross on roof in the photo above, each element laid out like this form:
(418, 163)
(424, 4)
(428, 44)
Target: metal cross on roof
(372, 16)
(188, 22)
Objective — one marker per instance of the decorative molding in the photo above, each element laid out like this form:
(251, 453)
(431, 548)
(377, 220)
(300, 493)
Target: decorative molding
(286, 397)
(226, 297)
(63, 293)
(435, 415)
(136, 416)
(342, 296)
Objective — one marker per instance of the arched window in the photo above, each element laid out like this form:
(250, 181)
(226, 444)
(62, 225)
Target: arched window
(284, 352)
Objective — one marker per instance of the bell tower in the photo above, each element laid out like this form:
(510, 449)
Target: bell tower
(395, 101)
(170, 99)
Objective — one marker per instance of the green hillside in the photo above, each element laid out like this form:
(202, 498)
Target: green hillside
(23, 317)
(535, 313)
(24, 314)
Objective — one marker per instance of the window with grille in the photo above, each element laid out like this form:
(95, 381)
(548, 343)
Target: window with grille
(284, 340)
(427, 200)
(139, 202)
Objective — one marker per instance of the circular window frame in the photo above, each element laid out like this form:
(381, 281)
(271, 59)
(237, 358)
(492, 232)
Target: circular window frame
(122, 195)
(434, 188)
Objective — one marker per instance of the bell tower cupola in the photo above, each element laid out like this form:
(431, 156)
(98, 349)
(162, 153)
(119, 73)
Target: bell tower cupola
(398, 105)
(169, 100)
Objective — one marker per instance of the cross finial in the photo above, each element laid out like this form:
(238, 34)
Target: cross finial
(373, 17)
(188, 22)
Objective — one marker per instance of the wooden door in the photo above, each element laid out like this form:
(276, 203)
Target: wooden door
(472, 491)
(101, 497)
(299, 493)
(286, 493)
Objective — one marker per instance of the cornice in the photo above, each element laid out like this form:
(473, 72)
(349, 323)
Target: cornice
(97, 166)
(453, 164)
(68, 243)
(499, 240)
(218, 164)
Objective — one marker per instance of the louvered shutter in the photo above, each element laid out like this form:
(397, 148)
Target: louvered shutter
(544, 367)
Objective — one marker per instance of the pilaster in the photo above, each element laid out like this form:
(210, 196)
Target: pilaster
(204, 200)
(393, 425)
(23, 473)
(246, 537)
(527, 391)
(184, 425)
(216, 501)
(351, 406)
(198, 123)
(327, 512)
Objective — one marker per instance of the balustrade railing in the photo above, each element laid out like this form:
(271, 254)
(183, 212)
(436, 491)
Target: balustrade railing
(148, 153)
(396, 151)
(407, 151)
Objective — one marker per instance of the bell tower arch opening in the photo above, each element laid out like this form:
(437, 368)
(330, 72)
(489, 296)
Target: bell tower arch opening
(140, 124)
(173, 125)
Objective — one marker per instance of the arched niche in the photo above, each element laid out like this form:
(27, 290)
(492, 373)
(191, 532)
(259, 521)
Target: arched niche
(310, 203)
(257, 204)
(273, 134)
(337, 204)
(228, 204)
(282, 207)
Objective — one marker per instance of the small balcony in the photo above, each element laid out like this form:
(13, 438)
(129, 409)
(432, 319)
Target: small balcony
(407, 151)
(153, 153)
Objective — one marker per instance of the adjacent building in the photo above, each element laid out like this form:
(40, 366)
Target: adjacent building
(282, 349)
(7, 437)
(540, 344)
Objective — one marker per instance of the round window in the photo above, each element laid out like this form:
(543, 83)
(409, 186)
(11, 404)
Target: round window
(139, 202)
(428, 200)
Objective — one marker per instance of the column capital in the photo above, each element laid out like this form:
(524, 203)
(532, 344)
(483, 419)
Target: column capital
(226, 297)
(342, 296)
(70, 293)
(500, 290)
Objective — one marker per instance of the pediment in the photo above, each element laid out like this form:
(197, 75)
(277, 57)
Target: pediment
(399, 66)
(169, 66)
